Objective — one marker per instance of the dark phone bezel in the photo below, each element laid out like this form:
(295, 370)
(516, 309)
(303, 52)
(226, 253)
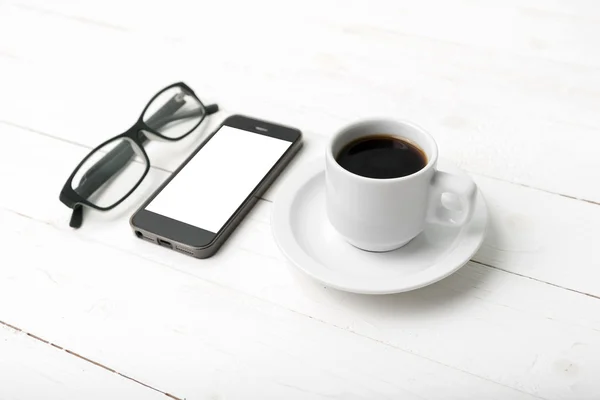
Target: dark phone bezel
(194, 240)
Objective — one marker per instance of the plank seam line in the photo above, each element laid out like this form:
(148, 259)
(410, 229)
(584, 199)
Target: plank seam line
(48, 135)
(535, 279)
(596, 203)
(97, 364)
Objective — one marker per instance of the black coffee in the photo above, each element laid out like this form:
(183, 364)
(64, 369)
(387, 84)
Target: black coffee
(382, 157)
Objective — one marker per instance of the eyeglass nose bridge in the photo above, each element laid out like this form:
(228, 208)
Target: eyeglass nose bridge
(137, 133)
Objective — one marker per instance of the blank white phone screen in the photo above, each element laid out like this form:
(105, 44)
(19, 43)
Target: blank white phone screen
(216, 181)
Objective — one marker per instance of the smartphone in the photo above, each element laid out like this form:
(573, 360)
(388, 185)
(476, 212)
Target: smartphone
(202, 202)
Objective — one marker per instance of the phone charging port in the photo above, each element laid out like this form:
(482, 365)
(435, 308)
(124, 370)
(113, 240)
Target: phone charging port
(164, 243)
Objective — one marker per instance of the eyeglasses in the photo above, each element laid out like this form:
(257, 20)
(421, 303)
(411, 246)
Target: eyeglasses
(113, 170)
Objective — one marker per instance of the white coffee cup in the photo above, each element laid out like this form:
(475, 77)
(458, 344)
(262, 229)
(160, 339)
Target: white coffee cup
(385, 214)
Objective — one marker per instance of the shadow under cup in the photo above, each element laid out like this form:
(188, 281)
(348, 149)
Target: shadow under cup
(379, 214)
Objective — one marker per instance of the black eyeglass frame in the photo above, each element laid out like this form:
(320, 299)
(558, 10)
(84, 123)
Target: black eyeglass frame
(135, 134)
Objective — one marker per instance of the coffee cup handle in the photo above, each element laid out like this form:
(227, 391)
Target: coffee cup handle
(452, 199)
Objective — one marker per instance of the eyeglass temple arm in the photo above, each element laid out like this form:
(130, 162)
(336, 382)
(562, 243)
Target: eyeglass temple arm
(211, 109)
(175, 115)
(118, 157)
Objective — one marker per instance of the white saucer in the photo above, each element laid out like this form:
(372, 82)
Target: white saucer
(303, 233)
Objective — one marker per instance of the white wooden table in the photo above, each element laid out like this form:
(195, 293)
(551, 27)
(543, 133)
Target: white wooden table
(511, 90)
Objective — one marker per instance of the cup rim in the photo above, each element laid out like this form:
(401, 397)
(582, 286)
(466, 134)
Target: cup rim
(431, 161)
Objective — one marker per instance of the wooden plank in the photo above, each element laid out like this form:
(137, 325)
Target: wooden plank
(197, 339)
(541, 235)
(520, 238)
(468, 321)
(31, 369)
(536, 28)
(495, 113)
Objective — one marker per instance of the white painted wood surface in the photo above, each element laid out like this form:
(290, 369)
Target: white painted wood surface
(31, 368)
(510, 89)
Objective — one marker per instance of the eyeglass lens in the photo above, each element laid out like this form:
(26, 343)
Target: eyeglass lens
(174, 113)
(106, 183)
